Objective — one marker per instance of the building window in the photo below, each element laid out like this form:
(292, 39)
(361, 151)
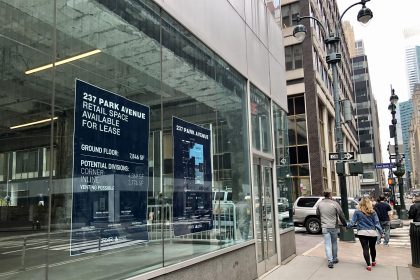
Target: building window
(260, 118)
(298, 147)
(25, 164)
(293, 57)
(289, 14)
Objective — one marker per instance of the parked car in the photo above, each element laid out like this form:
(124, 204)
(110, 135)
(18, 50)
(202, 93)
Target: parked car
(283, 215)
(304, 212)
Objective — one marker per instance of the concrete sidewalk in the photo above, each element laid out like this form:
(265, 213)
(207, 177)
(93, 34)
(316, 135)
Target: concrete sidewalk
(393, 263)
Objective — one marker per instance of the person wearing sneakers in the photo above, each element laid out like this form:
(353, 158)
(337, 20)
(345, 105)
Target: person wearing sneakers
(384, 212)
(329, 210)
(368, 226)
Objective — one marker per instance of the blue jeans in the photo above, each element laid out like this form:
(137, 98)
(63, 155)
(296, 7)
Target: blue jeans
(386, 226)
(330, 240)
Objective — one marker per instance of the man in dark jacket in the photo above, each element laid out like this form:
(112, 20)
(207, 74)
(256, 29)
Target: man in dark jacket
(384, 212)
(414, 212)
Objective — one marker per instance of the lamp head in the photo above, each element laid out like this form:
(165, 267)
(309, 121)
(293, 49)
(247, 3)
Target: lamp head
(392, 107)
(394, 98)
(364, 15)
(299, 32)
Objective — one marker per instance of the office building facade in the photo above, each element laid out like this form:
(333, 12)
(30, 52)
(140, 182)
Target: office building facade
(310, 100)
(405, 116)
(412, 60)
(414, 140)
(367, 125)
(142, 139)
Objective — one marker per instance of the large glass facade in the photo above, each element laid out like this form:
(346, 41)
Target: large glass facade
(137, 51)
(284, 184)
(261, 121)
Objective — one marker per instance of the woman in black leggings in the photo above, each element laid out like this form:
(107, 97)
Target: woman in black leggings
(368, 243)
(368, 226)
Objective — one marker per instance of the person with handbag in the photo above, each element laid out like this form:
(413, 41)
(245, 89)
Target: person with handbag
(368, 226)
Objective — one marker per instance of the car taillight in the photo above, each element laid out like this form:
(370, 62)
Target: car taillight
(293, 211)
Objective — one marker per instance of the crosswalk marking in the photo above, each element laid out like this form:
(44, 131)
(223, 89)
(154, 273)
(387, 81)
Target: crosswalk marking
(399, 237)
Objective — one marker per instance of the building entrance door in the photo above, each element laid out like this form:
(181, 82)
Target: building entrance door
(264, 215)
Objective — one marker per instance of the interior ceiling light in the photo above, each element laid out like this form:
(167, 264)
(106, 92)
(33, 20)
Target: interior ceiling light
(67, 60)
(32, 123)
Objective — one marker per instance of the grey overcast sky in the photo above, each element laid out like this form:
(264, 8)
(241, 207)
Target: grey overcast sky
(385, 45)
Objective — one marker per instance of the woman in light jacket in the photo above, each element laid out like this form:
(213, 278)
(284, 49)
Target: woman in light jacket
(368, 227)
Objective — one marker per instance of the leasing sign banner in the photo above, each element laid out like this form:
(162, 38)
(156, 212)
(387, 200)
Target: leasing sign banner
(110, 171)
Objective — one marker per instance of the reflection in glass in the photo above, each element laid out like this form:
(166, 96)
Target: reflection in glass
(292, 130)
(269, 214)
(263, 201)
(284, 190)
(147, 57)
(256, 190)
(213, 99)
(261, 120)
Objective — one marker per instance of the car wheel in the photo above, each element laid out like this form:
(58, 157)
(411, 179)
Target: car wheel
(313, 225)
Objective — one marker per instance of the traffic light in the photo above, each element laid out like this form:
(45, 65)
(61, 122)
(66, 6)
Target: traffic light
(340, 168)
(355, 168)
(391, 181)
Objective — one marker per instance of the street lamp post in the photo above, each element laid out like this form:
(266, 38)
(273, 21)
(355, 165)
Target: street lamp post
(391, 181)
(333, 58)
(398, 160)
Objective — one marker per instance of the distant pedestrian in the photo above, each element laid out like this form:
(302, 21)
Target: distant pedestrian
(329, 212)
(368, 226)
(384, 212)
(372, 199)
(414, 212)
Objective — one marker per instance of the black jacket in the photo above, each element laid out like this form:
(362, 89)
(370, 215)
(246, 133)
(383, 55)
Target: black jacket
(414, 212)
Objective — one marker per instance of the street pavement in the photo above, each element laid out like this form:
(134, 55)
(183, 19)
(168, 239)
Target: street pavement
(393, 262)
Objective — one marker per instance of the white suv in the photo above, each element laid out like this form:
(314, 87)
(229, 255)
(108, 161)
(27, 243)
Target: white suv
(304, 212)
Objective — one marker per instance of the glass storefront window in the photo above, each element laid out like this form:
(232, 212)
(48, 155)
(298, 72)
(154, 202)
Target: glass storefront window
(284, 187)
(135, 52)
(211, 95)
(261, 120)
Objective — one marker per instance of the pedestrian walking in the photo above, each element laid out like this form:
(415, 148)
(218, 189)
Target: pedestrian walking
(414, 212)
(384, 212)
(368, 226)
(329, 212)
(373, 200)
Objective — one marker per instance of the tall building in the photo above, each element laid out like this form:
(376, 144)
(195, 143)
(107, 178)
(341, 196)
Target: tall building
(310, 100)
(412, 58)
(349, 34)
(367, 123)
(415, 138)
(405, 110)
